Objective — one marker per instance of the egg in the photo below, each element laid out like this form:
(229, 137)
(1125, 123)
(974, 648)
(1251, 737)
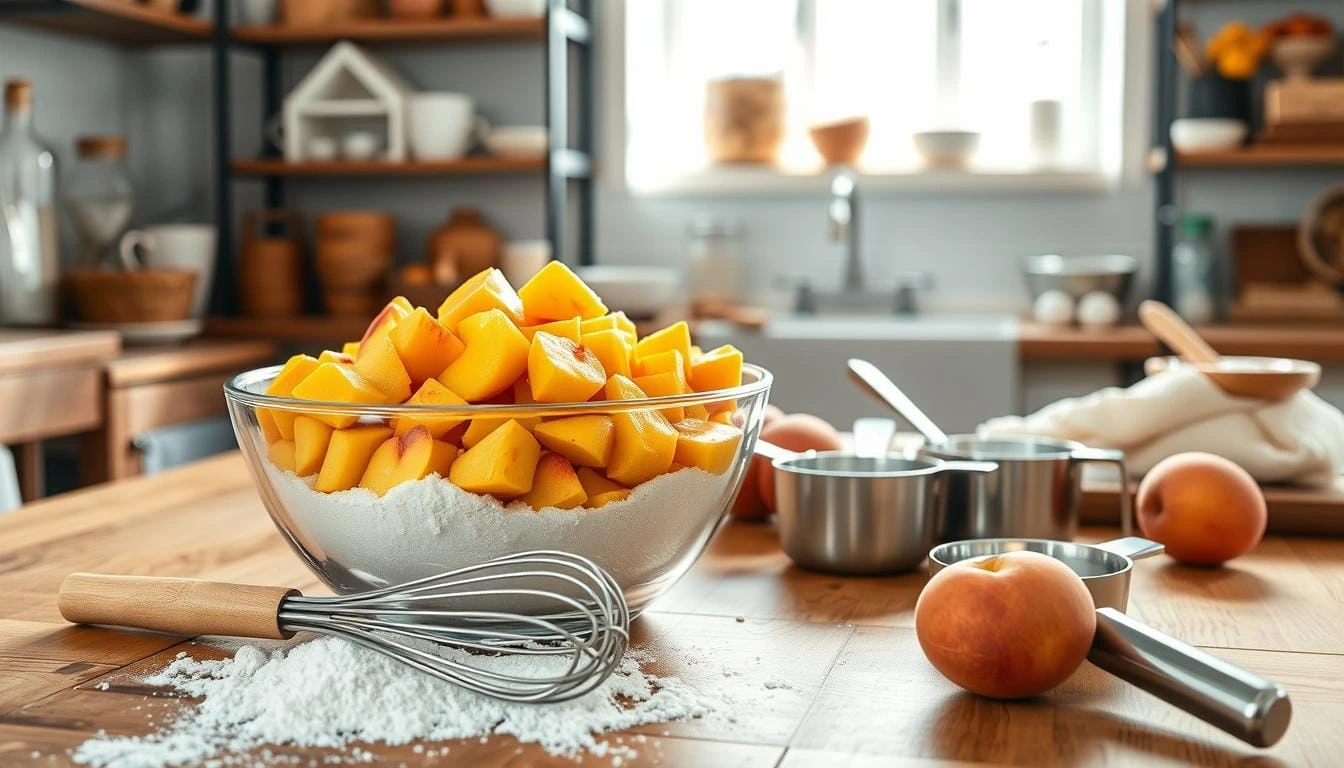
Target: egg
(796, 432)
(1053, 307)
(1097, 309)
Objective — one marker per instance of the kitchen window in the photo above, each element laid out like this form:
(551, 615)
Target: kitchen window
(1039, 80)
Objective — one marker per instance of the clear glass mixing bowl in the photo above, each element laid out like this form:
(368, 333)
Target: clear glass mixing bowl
(355, 541)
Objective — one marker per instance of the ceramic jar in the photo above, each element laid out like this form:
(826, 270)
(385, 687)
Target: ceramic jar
(464, 245)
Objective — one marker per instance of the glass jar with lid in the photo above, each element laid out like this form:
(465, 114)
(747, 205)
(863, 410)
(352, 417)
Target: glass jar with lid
(29, 252)
(99, 197)
(716, 262)
(1196, 279)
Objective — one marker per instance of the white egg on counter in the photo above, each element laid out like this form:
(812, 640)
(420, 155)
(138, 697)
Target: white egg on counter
(1098, 308)
(1053, 307)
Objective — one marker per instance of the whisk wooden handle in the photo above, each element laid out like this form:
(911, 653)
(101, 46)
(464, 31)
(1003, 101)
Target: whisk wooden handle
(179, 606)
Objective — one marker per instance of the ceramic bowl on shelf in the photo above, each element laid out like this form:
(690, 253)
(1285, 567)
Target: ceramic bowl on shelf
(1207, 134)
(1299, 55)
(947, 149)
(356, 541)
(1078, 276)
(516, 9)
(516, 140)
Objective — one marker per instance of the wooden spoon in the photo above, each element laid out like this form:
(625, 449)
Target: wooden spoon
(1262, 378)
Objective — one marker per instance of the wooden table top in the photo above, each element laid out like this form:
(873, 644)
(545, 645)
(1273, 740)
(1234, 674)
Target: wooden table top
(25, 351)
(857, 691)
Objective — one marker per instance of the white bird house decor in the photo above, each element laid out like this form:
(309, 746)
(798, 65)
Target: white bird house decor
(350, 93)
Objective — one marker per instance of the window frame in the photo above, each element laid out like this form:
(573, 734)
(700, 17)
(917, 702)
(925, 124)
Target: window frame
(1106, 82)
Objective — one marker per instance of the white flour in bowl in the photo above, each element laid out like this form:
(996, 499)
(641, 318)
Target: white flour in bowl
(428, 526)
(329, 693)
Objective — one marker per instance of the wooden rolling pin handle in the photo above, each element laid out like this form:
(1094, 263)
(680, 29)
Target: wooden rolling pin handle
(1166, 325)
(180, 606)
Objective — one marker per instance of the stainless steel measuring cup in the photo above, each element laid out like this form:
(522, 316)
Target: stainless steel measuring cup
(842, 512)
(1224, 695)
(1037, 492)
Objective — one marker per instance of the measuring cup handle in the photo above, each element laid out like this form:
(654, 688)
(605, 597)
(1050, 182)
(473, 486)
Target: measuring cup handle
(1109, 456)
(1253, 709)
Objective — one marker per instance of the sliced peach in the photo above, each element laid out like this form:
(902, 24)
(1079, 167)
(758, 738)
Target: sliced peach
(719, 368)
(334, 383)
(295, 370)
(403, 458)
(348, 456)
(660, 362)
(562, 371)
(569, 329)
(613, 349)
(311, 438)
(554, 485)
(431, 393)
(645, 441)
(281, 454)
(600, 500)
(674, 337)
(350, 348)
(584, 440)
(502, 464)
(595, 483)
(707, 445)
(723, 416)
(603, 323)
(495, 356)
(624, 323)
(266, 421)
(485, 290)
(556, 293)
(661, 385)
(379, 363)
(382, 323)
(425, 346)
(697, 411)
(328, 356)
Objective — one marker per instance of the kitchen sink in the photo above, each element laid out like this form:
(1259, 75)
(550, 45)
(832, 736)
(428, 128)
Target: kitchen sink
(960, 368)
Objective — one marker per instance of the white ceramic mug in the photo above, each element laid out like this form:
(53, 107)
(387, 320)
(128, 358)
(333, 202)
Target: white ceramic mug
(521, 259)
(175, 246)
(442, 126)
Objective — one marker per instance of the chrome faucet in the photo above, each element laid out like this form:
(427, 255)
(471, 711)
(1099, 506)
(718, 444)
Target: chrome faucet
(843, 214)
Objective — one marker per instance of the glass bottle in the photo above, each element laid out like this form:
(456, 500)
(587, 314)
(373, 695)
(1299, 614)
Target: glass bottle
(1195, 274)
(99, 197)
(29, 252)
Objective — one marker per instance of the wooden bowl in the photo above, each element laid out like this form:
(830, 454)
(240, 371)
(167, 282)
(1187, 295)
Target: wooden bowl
(368, 226)
(142, 296)
(1260, 378)
(841, 143)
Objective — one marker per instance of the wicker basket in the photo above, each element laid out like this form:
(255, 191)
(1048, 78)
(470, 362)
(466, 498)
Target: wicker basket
(142, 296)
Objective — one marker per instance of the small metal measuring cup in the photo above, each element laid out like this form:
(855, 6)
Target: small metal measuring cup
(1224, 695)
(858, 513)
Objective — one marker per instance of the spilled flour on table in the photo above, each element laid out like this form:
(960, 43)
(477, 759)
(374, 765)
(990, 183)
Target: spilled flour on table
(329, 692)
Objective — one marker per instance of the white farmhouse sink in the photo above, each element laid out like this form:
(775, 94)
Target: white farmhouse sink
(961, 369)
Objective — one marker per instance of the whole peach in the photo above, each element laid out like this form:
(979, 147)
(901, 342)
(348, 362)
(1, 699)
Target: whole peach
(748, 504)
(1006, 626)
(1205, 509)
(796, 432)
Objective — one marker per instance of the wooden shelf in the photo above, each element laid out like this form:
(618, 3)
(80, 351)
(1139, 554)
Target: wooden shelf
(118, 21)
(393, 31)
(467, 165)
(1264, 157)
(307, 328)
(1321, 343)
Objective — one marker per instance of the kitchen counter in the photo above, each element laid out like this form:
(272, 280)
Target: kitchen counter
(823, 668)
(1323, 344)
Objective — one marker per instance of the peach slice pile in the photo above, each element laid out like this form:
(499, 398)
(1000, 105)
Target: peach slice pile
(551, 341)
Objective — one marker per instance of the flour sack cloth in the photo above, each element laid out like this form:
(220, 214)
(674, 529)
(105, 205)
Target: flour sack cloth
(1299, 440)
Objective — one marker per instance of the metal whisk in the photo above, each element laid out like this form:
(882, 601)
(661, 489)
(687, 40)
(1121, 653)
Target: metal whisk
(448, 625)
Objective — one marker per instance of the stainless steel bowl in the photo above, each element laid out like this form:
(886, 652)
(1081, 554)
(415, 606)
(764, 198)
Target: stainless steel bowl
(1080, 275)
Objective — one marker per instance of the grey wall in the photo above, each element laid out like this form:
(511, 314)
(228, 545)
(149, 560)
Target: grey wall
(971, 242)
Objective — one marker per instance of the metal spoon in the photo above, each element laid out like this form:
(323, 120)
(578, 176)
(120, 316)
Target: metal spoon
(871, 378)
